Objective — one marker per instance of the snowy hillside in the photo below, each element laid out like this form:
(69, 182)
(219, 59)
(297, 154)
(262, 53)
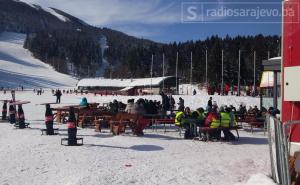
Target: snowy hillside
(19, 67)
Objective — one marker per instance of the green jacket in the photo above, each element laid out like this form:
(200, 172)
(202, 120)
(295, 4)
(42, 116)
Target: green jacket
(225, 119)
(178, 118)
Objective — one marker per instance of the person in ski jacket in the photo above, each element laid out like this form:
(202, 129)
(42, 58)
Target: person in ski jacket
(226, 122)
(181, 104)
(58, 94)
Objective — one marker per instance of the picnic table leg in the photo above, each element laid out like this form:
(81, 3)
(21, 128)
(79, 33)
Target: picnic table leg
(77, 117)
(264, 128)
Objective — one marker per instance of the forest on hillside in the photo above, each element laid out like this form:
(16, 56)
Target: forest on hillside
(136, 62)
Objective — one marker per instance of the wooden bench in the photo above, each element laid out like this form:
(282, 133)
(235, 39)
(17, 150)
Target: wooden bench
(66, 139)
(209, 130)
(252, 121)
(121, 120)
(164, 122)
(56, 131)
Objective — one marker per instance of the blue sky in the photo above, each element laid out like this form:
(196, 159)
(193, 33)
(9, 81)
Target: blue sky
(161, 20)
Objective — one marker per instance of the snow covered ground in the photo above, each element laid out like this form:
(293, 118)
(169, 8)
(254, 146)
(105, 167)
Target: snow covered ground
(26, 157)
(19, 67)
(157, 158)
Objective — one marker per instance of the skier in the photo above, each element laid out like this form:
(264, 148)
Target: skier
(194, 92)
(49, 120)
(72, 129)
(21, 117)
(4, 110)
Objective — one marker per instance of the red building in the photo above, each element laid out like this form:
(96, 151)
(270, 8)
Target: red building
(291, 66)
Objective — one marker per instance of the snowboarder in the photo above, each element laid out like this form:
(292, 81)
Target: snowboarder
(194, 92)
(4, 110)
(72, 129)
(49, 120)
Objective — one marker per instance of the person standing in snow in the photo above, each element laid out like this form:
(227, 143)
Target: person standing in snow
(58, 95)
(209, 104)
(194, 92)
(181, 104)
(165, 102)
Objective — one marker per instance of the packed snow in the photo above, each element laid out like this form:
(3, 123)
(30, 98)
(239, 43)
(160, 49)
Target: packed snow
(18, 66)
(54, 13)
(104, 82)
(156, 158)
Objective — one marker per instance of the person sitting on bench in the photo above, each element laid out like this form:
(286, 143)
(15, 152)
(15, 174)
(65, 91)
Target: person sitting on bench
(4, 110)
(12, 114)
(188, 127)
(21, 117)
(49, 120)
(200, 117)
(213, 121)
(72, 129)
(226, 121)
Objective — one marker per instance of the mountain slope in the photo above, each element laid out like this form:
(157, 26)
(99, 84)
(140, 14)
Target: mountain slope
(18, 67)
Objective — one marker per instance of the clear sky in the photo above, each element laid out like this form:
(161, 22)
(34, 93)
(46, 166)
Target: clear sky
(176, 20)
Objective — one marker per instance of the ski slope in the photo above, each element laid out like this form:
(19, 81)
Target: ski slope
(18, 66)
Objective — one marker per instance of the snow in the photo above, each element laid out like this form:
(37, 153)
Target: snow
(19, 67)
(259, 179)
(57, 15)
(103, 82)
(157, 158)
(275, 58)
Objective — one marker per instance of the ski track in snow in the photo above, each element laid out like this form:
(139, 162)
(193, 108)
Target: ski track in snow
(157, 158)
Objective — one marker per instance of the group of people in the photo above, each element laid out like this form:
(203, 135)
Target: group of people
(231, 89)
(213, 117)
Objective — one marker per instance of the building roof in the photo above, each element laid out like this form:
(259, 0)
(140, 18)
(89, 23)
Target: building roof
(273, 64)
(122, 83)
